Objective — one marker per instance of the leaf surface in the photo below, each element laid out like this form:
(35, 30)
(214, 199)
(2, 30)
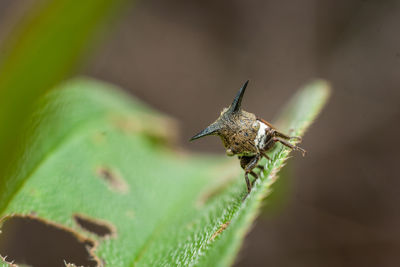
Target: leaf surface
(97, 153)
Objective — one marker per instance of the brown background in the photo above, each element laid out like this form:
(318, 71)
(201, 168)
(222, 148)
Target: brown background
(340, 205)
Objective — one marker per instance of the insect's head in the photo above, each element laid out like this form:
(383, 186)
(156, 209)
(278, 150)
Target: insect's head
(228, 120)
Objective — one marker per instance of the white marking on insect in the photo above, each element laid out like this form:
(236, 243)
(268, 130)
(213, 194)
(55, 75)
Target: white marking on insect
(260, 138)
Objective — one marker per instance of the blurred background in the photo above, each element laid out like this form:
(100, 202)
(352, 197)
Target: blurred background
(339, 206)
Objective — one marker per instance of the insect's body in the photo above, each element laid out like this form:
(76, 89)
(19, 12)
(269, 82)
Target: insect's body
(238, 138)
(246, 136)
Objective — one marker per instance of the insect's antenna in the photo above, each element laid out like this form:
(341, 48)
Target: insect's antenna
(237, 102)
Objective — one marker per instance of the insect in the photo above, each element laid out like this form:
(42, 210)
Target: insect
(246, 136)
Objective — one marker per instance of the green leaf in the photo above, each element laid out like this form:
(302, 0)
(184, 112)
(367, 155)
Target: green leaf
(96, 153)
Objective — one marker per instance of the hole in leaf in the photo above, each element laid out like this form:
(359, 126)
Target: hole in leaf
(113, 179)
(32, 241)
(95, 226)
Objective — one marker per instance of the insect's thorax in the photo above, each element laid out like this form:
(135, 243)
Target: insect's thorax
(245, 135)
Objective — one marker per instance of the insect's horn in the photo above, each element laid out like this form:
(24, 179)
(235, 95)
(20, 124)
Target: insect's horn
(210, 130)
(237, 102)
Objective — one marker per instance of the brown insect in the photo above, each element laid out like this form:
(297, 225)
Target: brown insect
(246, 136)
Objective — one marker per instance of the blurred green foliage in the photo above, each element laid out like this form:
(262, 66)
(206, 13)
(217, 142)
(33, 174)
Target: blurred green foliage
(44, 48)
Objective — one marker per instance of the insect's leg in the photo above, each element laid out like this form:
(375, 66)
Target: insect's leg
(252, 163)
(295, 138)
(265, 156)
(284, 136)
(248, 164)
(254, 174)
(255, 177)
(246, 177)
(289, 145)
(249, 169)
(244, 161)
(262, 168)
